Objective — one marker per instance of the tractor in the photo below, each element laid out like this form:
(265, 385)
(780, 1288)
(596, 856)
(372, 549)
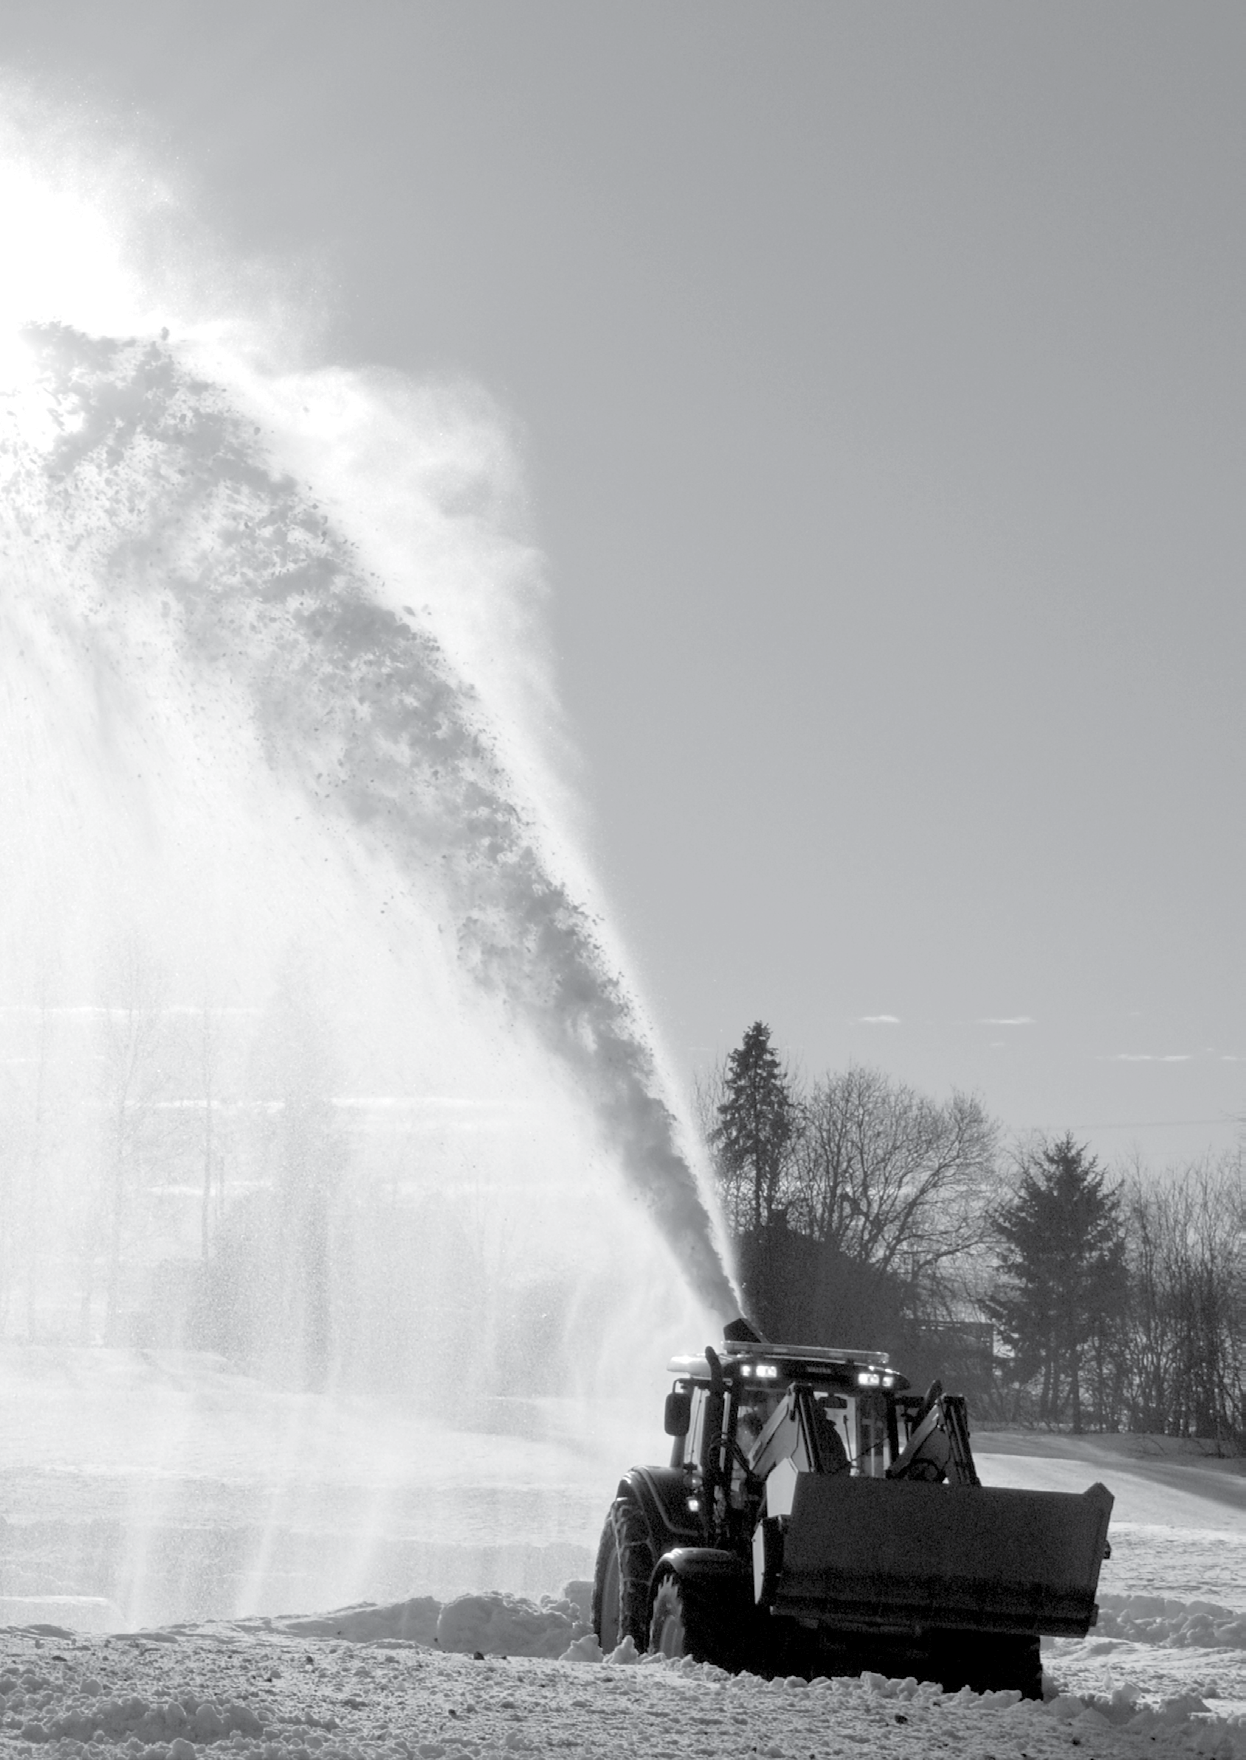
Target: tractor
(819, 1516)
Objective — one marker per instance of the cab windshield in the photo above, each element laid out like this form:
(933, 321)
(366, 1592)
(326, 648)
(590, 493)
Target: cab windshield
(859, 1419)
(755, 1406)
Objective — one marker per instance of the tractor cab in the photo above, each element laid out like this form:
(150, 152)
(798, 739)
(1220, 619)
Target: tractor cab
(735, 1417)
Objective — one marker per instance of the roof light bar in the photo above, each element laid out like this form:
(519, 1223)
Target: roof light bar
(810, 1353)
(787, 1355)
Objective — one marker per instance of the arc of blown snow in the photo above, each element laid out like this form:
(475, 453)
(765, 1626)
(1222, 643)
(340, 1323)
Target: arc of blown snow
(359, 709)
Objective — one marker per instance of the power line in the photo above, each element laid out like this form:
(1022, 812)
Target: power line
(1153, 1124)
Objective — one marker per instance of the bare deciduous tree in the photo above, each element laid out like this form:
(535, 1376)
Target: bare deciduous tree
(133, 1078)
(892, 1178)
(1185, 1348)
(30, 1122)
(860, 1210)
(309, 1154)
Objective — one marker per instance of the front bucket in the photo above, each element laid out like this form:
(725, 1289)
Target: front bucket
(879, 1555)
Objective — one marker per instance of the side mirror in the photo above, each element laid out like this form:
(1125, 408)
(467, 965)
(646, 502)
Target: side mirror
(678, 1419)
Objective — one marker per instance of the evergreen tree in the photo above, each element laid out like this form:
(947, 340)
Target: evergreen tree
(1063, 1289)
(756, 1121)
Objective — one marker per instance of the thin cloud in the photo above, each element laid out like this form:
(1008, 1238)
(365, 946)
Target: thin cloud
(1006, 1020)
(878, 1020)
(1148, 1057)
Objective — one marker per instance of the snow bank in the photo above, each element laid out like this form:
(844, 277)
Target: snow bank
(413, 1621)
(80, 1613)
(1157, 1619)
(499, 1624)
(506, 1625)
(488, 1624)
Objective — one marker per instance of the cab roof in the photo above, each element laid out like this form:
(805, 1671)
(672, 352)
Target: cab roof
(791, 1361)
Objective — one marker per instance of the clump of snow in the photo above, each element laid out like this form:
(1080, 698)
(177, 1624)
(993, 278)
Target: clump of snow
(887, 1687)
(585, 1649)
(1066, 1705)
(91, 1715)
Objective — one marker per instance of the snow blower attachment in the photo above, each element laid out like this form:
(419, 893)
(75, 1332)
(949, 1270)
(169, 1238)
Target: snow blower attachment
(819, 1515)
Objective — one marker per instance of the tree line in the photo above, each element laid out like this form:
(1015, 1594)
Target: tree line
(863, 1212)
(122, 1129)
(181, 1172)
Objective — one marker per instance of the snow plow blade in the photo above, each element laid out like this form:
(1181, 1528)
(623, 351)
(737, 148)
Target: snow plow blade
(873, 1555)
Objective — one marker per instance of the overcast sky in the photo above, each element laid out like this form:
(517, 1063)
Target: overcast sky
(880, 378)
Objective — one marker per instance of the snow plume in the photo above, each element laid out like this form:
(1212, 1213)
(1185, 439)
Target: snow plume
(148, 527)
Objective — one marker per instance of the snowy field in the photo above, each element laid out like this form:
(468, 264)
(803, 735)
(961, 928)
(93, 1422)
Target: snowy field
(171, 1495)
(1172, 1596)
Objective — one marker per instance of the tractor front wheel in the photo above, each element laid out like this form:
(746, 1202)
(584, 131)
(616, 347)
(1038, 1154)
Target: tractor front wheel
(683, 1624)
(668, 1628)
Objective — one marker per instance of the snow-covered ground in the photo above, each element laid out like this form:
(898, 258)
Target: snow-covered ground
(287, 1690)
(135, 1483)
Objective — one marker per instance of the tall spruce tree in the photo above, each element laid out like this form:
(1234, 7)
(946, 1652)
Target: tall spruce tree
(756, 1121)
(1063, 1288)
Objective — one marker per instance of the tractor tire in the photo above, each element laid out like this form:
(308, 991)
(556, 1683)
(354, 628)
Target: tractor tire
(684, 1624)
(1023, 1664)
(988, 1663)
(625, 1562)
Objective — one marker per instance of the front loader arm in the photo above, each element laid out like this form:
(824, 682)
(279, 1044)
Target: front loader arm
(938, 1445)
(798, 1432)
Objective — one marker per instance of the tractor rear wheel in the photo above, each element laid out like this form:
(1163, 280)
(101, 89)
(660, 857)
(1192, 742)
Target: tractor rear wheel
(625, 1564)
